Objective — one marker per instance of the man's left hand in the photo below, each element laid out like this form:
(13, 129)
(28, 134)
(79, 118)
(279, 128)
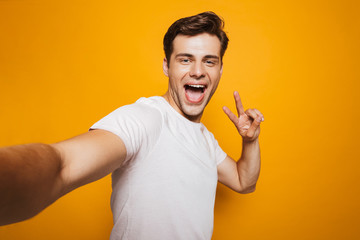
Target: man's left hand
(247, 122)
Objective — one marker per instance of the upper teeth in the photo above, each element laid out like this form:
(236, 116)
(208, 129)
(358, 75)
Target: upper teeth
(197, 86)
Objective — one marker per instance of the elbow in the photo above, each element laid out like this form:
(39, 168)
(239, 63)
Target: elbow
(247, 190)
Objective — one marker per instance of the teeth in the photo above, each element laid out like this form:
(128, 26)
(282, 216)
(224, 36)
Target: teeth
(197, 86)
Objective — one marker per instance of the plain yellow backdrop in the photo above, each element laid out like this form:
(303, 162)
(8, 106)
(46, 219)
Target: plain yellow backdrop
(66, 64)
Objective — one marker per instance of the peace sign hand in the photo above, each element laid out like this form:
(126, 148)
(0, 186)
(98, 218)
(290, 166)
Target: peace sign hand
(248, 122)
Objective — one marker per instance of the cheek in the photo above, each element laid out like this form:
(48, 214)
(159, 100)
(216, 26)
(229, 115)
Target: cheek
(178, 74)
(215, 76)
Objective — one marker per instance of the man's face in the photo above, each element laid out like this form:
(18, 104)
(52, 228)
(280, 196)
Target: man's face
(194, 73)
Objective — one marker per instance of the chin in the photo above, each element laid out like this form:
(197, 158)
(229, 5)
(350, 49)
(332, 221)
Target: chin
(193, 112)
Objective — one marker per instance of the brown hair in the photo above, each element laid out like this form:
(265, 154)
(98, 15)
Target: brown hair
(206, 22)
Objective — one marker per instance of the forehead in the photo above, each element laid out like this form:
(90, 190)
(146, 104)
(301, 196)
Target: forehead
(201, 44)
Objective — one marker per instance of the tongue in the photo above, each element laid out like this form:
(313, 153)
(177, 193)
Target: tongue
(194, 95)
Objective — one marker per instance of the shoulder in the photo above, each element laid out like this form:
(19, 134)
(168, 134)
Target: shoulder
(143, 114)
(144, 110)
(138, 124)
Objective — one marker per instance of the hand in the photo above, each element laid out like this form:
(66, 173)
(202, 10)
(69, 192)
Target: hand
(248, 122)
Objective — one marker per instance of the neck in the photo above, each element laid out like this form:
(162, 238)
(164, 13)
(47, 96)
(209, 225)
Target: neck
(167, 96)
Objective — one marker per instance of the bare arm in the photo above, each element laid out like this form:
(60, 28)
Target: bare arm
(33, 176)
(241, 176)
(29, 180)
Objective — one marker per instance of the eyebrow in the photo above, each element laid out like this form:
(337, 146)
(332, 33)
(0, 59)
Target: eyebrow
(190, 55)
(184, 55)
(212, 56)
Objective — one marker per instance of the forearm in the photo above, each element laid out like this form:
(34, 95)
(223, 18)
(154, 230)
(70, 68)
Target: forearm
(29, 180)
(249, 165)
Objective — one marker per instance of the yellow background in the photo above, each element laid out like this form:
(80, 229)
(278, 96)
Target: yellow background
(66, 64)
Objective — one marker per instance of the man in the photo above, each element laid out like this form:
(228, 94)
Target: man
(165, 163)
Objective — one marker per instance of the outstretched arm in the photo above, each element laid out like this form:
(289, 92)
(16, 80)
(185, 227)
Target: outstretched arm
(241, 176)
(33, 176)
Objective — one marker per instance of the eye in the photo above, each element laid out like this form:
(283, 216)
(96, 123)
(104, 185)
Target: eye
(210, 63)
(185, 60)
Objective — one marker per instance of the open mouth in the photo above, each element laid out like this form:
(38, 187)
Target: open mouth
(194, 93)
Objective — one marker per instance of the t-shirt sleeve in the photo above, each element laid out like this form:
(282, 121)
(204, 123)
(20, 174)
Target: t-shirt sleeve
(219, 153)
(137, 125)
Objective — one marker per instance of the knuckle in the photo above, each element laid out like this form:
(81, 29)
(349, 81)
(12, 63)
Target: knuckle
(249, 134)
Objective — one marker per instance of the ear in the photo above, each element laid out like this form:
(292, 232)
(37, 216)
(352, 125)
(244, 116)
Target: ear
(221, 69)
(165, 67)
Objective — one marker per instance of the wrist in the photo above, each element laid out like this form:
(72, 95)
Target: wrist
(250, 141)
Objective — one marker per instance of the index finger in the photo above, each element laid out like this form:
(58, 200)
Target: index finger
(239, 106)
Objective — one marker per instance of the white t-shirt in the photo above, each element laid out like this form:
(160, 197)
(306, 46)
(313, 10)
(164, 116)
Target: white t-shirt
(165, 189)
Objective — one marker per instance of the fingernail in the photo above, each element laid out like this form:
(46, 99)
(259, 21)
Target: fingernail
(262, 119)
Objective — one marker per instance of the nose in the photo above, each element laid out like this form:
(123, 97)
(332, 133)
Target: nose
(197, 70)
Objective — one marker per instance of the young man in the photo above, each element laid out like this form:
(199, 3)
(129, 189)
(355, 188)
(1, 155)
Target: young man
(165, 163)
